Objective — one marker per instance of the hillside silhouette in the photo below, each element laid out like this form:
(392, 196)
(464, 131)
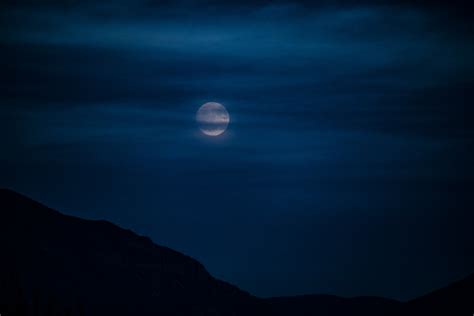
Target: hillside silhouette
(54, 264)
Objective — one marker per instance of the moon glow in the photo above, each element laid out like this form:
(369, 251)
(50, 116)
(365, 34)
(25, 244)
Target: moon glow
(212, 118)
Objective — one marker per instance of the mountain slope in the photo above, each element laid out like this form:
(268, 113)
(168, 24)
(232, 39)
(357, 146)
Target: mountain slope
(106, 268)
(54, 264)
(454, 299)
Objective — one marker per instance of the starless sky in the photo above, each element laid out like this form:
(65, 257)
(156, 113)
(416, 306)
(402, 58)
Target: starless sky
(347, 165)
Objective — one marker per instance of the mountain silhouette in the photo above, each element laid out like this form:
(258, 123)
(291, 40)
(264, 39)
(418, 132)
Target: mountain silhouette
(55, 264)
(455, 299)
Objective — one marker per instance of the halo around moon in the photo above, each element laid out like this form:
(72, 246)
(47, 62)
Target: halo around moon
(212, 118)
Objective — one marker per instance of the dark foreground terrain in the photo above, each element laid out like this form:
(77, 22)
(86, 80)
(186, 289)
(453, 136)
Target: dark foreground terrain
(54, 264)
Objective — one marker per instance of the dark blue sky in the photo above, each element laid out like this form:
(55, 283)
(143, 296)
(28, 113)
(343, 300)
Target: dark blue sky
(347, 165)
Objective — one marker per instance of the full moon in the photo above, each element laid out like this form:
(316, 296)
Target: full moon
(212, 118)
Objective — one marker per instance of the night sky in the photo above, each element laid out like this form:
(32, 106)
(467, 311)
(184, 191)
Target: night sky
(347, 165)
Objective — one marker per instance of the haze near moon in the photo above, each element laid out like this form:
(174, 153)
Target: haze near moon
(212, 118)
